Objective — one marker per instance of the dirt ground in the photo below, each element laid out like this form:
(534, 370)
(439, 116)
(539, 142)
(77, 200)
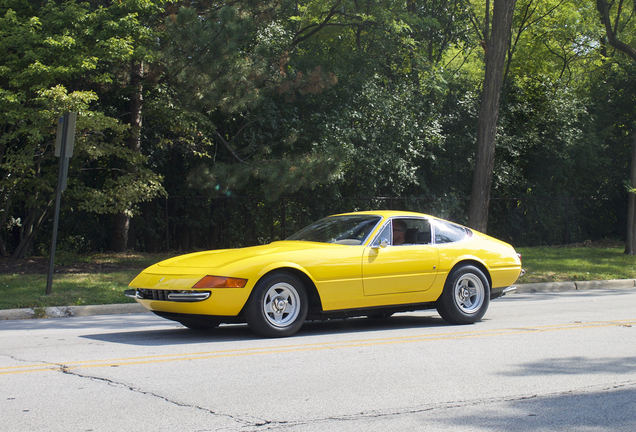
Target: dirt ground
(40, 265)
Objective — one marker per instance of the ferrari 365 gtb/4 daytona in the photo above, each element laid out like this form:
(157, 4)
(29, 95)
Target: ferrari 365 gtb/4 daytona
(372, 263)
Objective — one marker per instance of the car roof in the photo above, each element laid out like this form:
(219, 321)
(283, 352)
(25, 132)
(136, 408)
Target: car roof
(386, 213)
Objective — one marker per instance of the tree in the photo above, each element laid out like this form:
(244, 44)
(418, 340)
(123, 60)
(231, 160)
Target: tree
(30, 102)
(496, 45)
(617, 21)
(128, 33)
(54, 64)
(218, 87)
(249, 89)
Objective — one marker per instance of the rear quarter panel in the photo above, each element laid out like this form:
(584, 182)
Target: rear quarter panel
(499, 258)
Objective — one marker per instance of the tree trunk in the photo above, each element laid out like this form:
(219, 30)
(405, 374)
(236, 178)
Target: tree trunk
(121, 222)
(612, 30)
(496, 49)
(604, 7)
(32, 223)
(630, 243)
(119, 236)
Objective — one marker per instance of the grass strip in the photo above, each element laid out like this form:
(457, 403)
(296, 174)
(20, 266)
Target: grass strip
(28, 290)
(561, 264)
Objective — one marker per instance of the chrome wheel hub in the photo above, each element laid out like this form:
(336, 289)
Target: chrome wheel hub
(469, 293)
(279, 305)
(464, 293)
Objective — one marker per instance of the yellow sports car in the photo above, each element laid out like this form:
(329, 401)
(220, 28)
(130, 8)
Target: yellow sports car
(372, 263)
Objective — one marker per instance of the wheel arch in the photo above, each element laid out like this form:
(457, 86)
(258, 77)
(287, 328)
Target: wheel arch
(477, 264)
(456, 304)
(315, 303)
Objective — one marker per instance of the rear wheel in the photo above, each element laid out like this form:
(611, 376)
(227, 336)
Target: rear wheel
(466, 296)
(278, 305)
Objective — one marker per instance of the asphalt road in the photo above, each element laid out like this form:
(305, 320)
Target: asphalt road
(540, 361)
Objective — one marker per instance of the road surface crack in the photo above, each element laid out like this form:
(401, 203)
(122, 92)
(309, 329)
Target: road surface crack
(272, 425)
(252, 422)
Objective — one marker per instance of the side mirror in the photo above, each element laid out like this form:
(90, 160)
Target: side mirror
(382, 244)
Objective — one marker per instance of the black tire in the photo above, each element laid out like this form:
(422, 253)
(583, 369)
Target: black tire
(466, 296)
(277, 306)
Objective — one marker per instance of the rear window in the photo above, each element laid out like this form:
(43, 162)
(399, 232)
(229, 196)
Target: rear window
(447, 232)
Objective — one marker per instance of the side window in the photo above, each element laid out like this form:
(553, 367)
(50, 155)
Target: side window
(446, 232)
(405, 232)
(411, 231)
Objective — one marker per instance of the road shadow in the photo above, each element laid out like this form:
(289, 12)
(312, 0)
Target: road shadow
(575, 366)
(604, 410)
(175, 334)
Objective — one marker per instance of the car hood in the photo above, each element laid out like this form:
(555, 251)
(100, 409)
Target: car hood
(182, 272)
(224, 257)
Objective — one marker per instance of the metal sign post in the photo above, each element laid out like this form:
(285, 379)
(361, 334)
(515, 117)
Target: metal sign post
(64, 150)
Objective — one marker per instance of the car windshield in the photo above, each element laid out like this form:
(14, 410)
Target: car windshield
(347, 229)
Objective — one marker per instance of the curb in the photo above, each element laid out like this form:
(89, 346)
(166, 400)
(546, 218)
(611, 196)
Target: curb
(574, 286)
(69, 311)
(134, 308)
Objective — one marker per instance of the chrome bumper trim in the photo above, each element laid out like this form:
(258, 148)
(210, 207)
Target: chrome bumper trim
(131, 293)
(189, 297)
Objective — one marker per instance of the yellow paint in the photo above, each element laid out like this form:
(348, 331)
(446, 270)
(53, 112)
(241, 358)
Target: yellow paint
(280, 349)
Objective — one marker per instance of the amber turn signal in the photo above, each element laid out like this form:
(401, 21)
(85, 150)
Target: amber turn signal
(220, 282)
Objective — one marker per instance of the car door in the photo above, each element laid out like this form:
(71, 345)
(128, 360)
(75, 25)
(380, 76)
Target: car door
(409, 267)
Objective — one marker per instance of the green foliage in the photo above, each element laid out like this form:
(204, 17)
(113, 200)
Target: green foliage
(563, 34)
(61, 57)
(317, 100)
(548, 144)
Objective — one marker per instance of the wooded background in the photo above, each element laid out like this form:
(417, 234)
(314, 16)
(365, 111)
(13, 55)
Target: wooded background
(208, 124)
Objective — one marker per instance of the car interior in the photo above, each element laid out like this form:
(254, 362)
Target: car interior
(418, 231)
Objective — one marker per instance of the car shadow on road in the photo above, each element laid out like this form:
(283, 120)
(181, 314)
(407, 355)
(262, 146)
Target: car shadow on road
(175, 334)
(576, 366)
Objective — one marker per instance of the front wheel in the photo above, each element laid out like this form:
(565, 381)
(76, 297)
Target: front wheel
(466, 296)
(278, 305)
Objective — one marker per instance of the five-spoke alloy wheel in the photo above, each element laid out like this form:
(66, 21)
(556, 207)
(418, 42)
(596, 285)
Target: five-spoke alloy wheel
(466, 296)
(278, 305)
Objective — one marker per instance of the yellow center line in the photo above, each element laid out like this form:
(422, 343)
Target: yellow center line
(306, 347)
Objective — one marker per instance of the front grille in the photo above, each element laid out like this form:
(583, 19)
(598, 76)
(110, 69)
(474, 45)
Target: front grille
(153, 294)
